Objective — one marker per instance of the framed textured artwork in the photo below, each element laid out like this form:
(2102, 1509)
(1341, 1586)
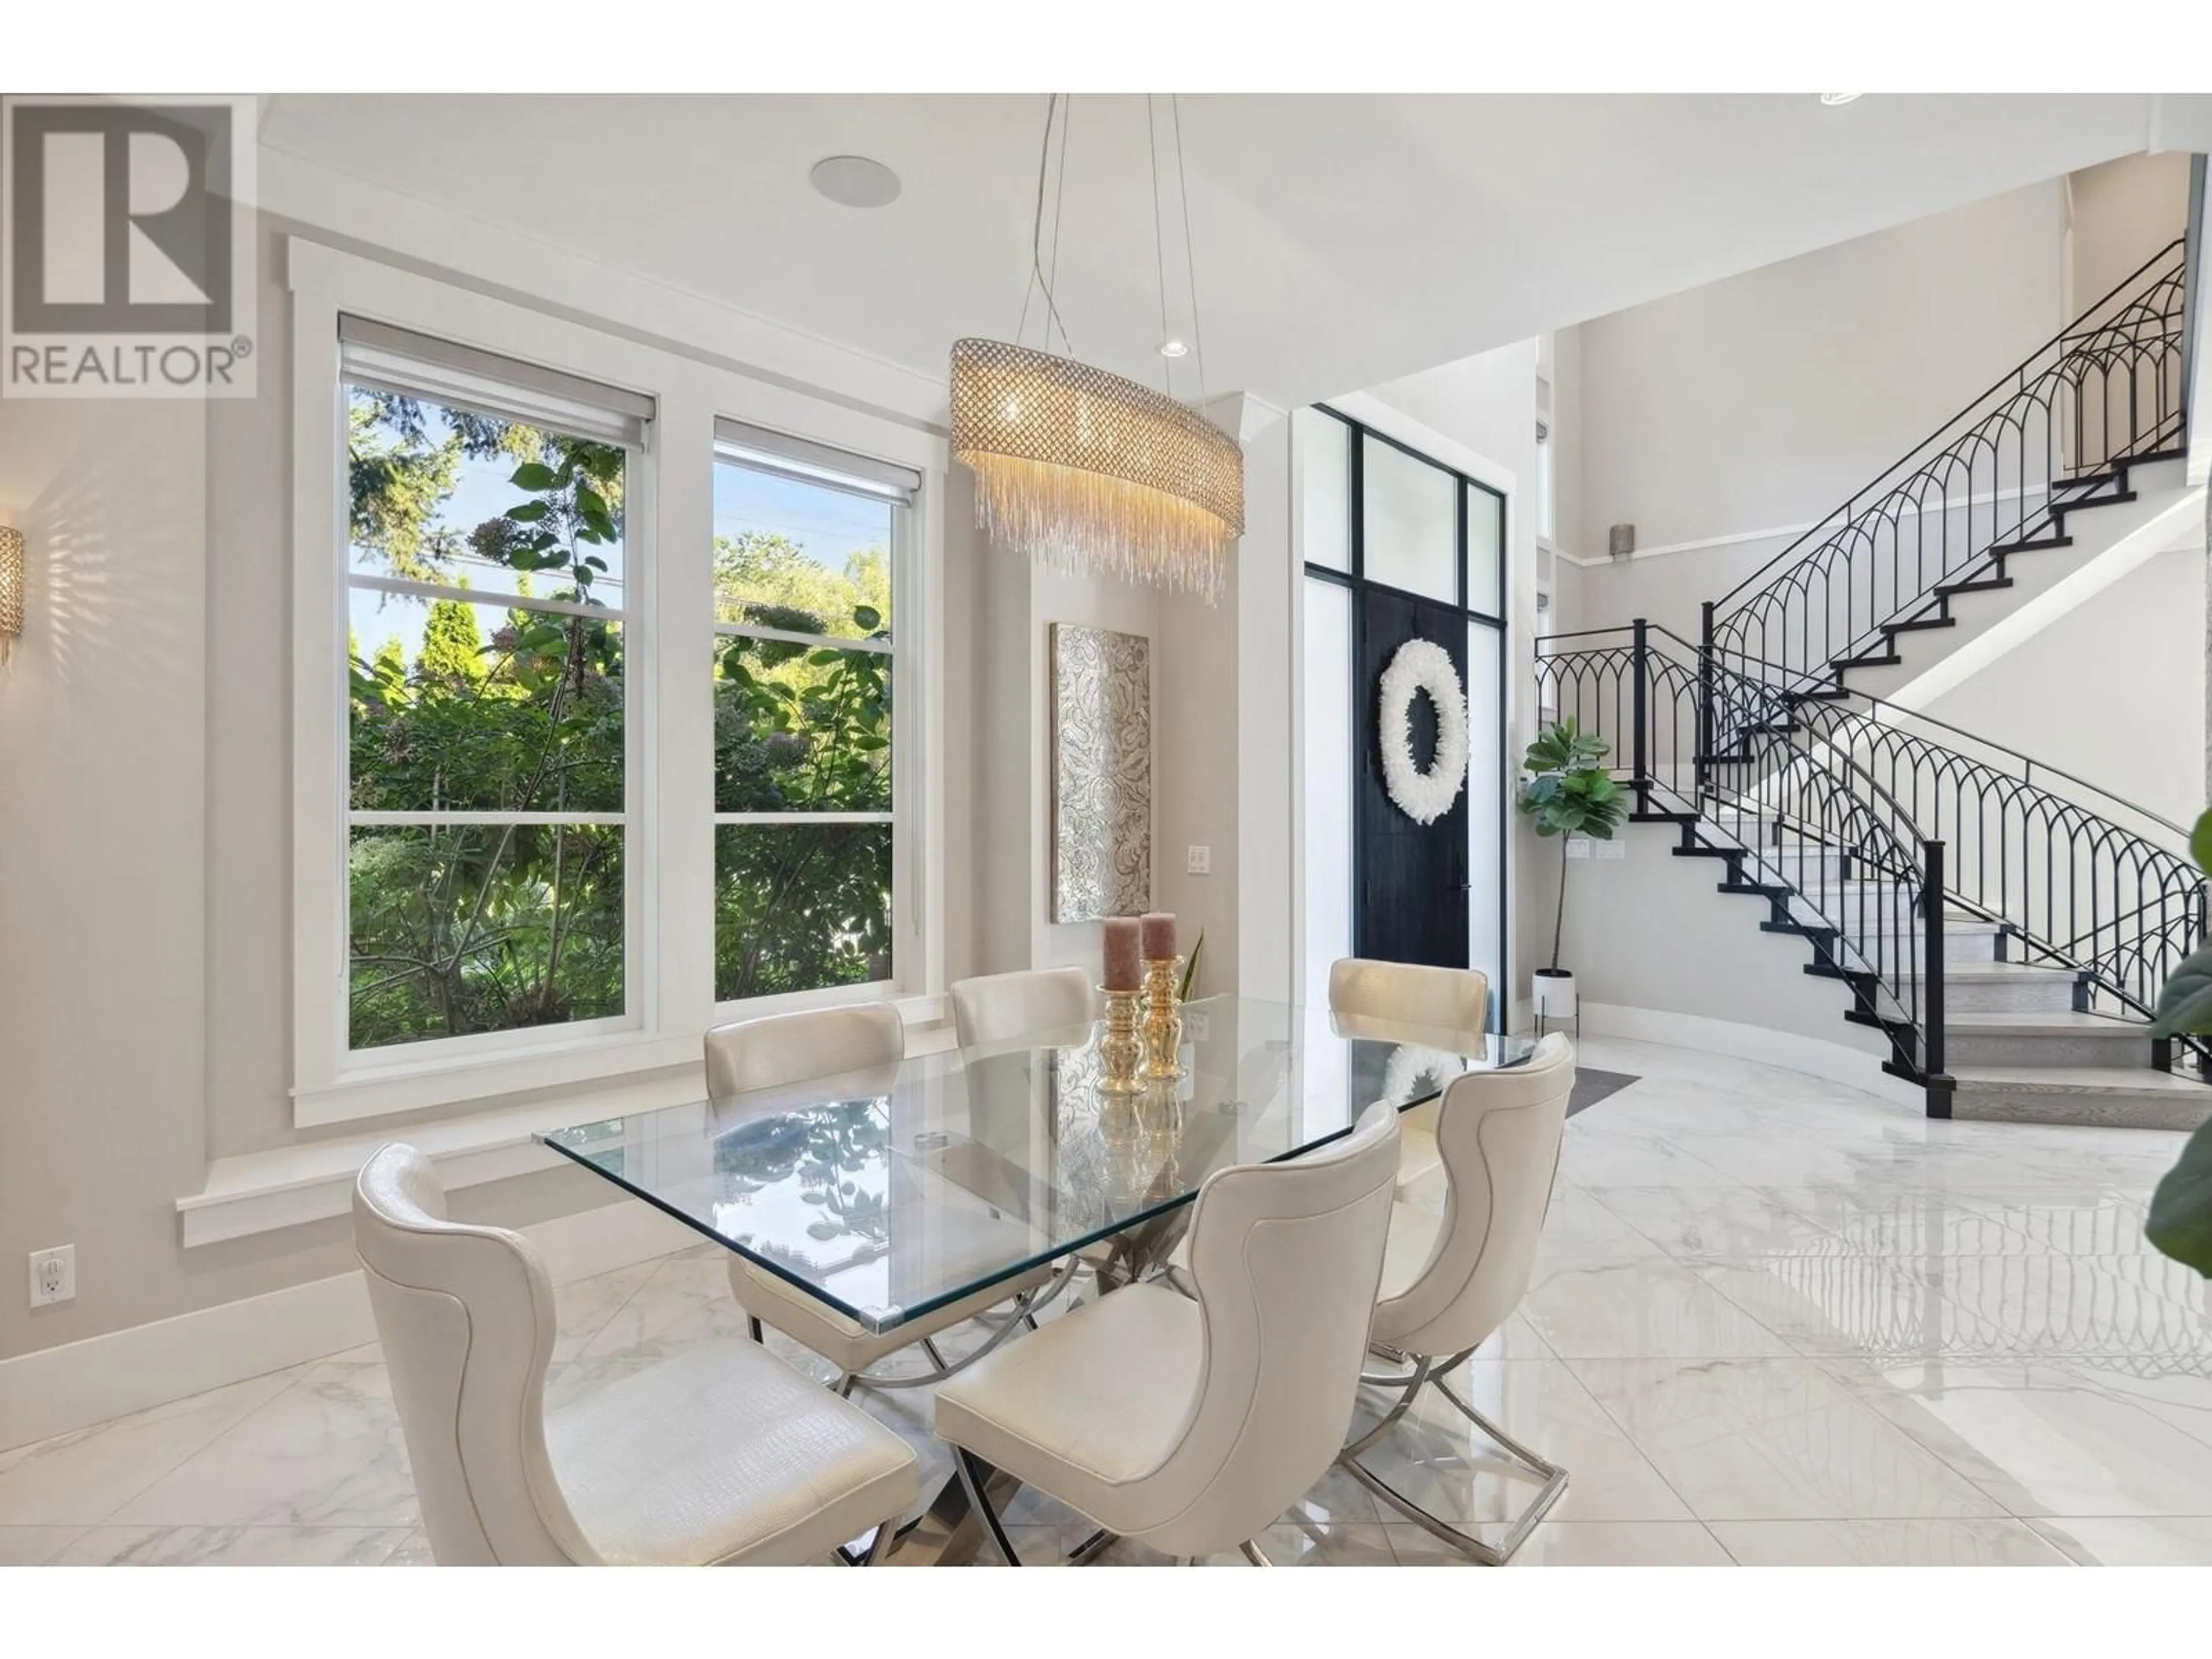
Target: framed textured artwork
(1102, 772)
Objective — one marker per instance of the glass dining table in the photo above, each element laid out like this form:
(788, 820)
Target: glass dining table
(889, 1194)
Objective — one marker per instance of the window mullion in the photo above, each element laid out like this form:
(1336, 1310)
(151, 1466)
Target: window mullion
(372, 818)
(792, 636)
(771, 820)
(406, 588)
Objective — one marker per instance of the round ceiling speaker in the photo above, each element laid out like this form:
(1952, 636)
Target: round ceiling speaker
(855, 181)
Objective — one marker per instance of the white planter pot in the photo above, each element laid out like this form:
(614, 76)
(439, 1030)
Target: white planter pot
(1554, 996)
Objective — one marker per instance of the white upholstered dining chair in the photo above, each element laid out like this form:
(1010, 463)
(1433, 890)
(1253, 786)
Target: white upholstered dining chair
(1408, 994)
(1191, 1422)
(766, 1054)
(786, 1049)
(721, 1455)
(997, 1007)
(1453, 1272)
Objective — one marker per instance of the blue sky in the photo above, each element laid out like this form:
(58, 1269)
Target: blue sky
(828, 523)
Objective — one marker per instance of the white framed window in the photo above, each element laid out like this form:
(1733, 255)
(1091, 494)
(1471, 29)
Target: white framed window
(608, 953)
(811, 544)
(492, 748)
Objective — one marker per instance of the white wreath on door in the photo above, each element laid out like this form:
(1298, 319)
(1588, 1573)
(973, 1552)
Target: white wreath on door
(1415, 1066)
(1417, 666)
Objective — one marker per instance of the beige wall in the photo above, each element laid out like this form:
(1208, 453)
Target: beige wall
(249, 746)
(1269, 583)
(1764, 399)
(1196, 721)
(103, 823)
(968, 581)
(1570, 532)
(1004, 872)
(2121, 214)
(1193, 651)
(2113, 691)
(1733, 415)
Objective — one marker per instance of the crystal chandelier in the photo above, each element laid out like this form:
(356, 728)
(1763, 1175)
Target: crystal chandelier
(1085, 471)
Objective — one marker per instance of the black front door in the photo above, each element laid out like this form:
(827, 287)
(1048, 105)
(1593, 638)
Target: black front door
(1411, 892)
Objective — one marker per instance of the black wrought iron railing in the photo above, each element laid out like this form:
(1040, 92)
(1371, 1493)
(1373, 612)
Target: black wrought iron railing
(1871, 830)
(2055, 433)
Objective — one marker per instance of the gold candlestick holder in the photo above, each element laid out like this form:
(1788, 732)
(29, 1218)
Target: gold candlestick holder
(1163, 1018)
(1121, 1050)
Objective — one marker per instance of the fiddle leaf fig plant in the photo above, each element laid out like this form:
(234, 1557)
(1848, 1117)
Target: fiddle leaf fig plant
(2180, 1221)
(1569, 792)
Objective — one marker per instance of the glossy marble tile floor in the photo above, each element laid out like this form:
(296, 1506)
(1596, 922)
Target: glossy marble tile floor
(1774, 1320)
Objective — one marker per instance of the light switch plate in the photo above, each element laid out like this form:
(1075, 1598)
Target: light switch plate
(1199, 862)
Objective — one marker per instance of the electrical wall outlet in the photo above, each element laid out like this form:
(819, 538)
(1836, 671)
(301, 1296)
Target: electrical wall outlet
(1197, 862)
(54, 1276)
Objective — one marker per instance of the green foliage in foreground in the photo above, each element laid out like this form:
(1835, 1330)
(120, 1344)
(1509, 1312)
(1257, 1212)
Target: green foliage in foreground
(2180, 1220)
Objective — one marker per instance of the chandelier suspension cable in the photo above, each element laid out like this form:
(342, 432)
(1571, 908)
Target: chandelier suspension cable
(1060, 208)
(1189, 253)
(1037, 278)
(1030, 281)
(1159, 246)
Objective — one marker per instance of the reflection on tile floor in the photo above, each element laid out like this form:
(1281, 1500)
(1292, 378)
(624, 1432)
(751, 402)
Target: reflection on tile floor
(1774, 1322)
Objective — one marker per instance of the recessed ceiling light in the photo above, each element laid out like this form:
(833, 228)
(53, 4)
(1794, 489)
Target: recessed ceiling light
(855, 181)
(1173, 348)
(1832, 100)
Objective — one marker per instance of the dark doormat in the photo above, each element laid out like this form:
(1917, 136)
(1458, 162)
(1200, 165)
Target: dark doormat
(1592, 1086)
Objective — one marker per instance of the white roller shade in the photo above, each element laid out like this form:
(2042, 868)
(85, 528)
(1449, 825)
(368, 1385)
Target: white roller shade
(803, 458)
(397, 359)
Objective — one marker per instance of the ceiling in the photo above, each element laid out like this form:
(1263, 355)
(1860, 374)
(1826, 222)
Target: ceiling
(1341, 241)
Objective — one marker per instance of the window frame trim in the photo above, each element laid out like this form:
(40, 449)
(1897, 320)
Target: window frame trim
(669, 836)
(640, 523)
(909, 933)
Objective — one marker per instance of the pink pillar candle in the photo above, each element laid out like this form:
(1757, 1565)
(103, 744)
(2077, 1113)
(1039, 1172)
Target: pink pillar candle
(1123, 954)
(1158, 927)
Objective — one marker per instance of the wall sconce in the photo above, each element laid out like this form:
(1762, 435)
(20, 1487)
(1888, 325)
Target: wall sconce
(11, 589)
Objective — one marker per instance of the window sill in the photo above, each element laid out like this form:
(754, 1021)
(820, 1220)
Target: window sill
(292, 1185)
(424, 1085)
(420, 1085)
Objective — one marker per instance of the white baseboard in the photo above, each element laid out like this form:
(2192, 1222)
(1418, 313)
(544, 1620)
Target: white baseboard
(1836, 1063)
(56, 1390)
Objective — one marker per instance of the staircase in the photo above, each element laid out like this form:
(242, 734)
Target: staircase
(2003, 925)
